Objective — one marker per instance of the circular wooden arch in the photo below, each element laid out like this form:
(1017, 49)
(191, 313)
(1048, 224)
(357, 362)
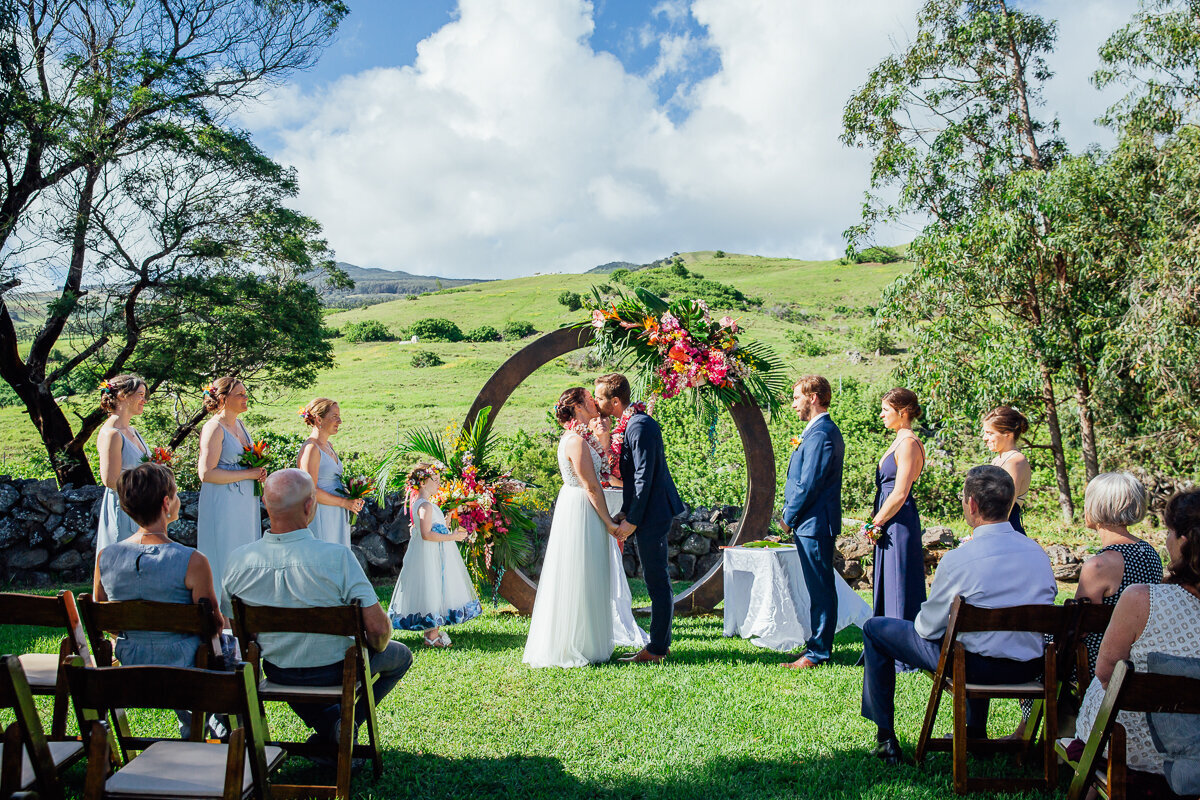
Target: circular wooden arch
(708, 590)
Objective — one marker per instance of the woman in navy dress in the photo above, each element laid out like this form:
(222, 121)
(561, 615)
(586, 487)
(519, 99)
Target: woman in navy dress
(1002, 427)
(899, 556)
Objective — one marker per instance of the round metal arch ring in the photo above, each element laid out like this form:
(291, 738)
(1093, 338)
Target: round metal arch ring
(708, 590)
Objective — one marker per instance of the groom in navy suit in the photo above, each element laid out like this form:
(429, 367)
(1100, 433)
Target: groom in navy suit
(812, 511)
(650, 502)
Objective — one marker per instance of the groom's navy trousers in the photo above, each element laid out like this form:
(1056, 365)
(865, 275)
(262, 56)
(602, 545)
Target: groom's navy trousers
(650, 501)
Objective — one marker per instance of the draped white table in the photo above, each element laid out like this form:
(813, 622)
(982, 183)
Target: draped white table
(767, 602)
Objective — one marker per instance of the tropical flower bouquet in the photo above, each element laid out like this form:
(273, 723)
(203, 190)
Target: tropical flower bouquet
(160, 455)
(476, 496)
(254, 457)
(356, 487)
(677, 345)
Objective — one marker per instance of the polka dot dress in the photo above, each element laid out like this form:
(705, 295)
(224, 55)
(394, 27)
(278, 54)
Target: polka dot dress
(1142, 565)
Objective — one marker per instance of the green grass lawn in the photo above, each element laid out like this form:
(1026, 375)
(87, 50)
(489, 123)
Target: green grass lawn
(719, 719)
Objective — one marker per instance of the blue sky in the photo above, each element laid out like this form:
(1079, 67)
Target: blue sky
(385, 33)
(495, 138)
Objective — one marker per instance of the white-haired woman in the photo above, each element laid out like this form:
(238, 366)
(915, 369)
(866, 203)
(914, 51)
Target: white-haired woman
(1112, 504)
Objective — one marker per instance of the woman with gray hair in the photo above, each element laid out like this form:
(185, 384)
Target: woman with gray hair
(1112, 503)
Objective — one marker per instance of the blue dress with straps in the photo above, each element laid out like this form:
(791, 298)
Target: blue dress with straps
(228, 516)
(899, 555)
(115, 525)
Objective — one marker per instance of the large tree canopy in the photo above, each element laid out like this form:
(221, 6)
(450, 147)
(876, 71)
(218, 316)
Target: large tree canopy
(124, 192)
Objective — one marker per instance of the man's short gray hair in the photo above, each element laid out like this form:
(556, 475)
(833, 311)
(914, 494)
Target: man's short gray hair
(286, 490)
(1114, 498)
(993, 491)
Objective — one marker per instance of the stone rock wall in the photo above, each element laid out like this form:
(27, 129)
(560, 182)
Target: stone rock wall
(48, 535)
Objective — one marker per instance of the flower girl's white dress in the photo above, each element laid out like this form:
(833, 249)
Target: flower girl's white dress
(572, 623)
(434, 588)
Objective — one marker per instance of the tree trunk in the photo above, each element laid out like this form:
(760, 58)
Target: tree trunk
(62, 445)
(1083, 398)
(1056, 446)
(185, 430)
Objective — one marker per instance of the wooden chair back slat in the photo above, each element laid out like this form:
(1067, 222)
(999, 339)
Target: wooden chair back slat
(32, 609)
(107, 688)
(1043, 619)
(196, 619)
(331, 621)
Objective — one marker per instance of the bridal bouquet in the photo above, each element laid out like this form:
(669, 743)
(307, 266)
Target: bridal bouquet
(254, 457)
(677, 345)
(476, 496)
(160, 455)
(356, 487)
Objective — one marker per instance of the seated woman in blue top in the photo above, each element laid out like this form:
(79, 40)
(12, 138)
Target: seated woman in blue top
(149, 566)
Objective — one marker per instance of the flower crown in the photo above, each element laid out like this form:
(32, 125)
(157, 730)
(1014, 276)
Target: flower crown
(418, 476)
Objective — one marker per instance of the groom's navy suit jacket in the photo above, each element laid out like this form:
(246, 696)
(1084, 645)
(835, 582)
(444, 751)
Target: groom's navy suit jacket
(812, 495)
(649, 498)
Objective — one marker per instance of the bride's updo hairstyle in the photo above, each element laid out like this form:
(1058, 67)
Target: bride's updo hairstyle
(216, 391)
(564, 409)
(114, 389)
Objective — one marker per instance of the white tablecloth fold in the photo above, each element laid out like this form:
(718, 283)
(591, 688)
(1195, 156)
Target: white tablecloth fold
(767, 602)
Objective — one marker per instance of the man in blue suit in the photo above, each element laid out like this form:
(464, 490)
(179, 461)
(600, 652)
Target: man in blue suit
(812, 511)
(650, 503)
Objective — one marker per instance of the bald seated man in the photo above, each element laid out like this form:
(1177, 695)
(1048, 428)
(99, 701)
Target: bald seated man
(291, 568)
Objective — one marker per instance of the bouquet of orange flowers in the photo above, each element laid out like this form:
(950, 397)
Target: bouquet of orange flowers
(356, 487)
(254, 457)
(160, 455)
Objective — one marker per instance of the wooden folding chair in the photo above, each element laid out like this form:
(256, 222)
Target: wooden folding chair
(951, 676)
(249, 622)
(30, 761)
(1128, 690)
(197, 619)
(173, 768)
(43, 671)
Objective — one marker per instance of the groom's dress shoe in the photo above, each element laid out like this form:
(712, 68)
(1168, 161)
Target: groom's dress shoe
(889, 752)
(802, 663)
(643, 657)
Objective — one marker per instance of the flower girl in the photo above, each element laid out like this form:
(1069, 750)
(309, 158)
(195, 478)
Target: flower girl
(433, 588)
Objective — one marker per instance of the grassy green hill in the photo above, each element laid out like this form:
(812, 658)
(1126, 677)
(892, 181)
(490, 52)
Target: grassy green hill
(381, 394)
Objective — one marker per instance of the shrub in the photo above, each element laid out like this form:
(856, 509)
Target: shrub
(719, 254)
(790, 312)
(620, 275)
(369, 330)
(411, 297)
(426, 358)
(875, 255)
(571, 300)
(678, 269)
(435, 329)
(805, 344)
(605, 288)
(484, 333)
(876, 340)
(518, 329)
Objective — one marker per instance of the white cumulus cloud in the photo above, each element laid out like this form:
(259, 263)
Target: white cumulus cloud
(511, 146)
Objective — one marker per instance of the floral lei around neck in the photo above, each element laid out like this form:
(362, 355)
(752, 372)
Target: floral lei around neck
(583, 431)
(618, 435)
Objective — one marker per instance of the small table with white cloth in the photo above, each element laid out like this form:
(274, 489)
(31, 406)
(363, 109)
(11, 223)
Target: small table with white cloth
(767, 602)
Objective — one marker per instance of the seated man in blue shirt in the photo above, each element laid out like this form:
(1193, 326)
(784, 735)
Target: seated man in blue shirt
(290, 568)
(997, 567)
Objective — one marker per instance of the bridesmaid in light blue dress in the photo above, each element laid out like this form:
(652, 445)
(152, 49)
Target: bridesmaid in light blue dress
(121, 448)
(318, 459)
(229, 515)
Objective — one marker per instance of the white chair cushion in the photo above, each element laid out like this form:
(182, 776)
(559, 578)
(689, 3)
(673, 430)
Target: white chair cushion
(59, 752)
(41, 669)
(180, 769)
(266, 687)
(1032, 686)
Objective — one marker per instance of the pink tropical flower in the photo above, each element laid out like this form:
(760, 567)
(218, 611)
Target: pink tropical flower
(597, 319)
(728, 322)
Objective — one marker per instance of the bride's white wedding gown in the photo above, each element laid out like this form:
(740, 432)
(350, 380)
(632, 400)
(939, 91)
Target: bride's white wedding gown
(626, 632)
(573, 615)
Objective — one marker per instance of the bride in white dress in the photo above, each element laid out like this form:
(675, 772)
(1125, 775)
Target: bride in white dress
(573, 616)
